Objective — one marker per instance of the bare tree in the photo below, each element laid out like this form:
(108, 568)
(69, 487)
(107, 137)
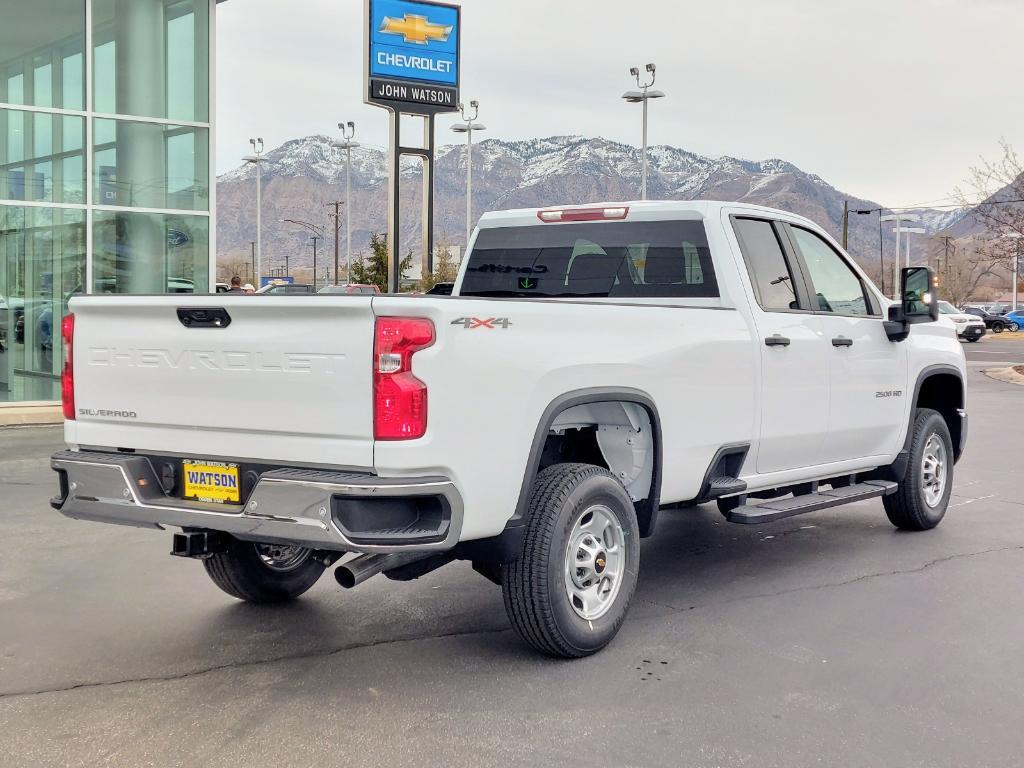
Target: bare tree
(994, 189)
(966, 269)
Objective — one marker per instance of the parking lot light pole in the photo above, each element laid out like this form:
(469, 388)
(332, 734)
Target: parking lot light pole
(899, 218)
(642, 96)
(348, 130)
(467, 128)
(1015, 275)
(256, 158)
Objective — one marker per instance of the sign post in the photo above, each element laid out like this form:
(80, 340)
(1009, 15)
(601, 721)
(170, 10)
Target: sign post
(412, 68)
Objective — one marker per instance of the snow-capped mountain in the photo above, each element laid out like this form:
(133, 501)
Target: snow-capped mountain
(303, 175)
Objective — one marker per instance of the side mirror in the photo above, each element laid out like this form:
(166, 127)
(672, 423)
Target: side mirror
(918, 298)
(919, 303)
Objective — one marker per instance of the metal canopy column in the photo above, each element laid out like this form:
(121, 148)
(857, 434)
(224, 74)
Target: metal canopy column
(426, 154)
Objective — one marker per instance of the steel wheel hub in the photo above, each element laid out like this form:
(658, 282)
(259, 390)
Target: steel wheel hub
(933, 470)
(282, 557)
(595, 557)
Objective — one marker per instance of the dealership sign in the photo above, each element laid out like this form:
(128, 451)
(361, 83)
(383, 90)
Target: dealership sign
(413, 55)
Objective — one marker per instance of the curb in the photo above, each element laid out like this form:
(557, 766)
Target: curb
(1007, 375)
(31, 414)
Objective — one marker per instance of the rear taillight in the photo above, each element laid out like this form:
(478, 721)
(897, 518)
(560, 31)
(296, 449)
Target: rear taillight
(399, 398)
(67, 376)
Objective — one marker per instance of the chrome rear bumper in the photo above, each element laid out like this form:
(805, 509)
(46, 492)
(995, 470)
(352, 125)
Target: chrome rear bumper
(288, 506)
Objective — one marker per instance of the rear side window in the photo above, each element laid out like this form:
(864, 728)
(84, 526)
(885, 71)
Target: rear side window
(594, 260)
(766, 264)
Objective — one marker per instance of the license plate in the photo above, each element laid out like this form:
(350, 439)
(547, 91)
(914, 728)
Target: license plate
(211, 481)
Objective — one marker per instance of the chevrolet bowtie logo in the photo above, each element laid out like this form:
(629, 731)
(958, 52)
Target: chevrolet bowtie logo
(415, 29)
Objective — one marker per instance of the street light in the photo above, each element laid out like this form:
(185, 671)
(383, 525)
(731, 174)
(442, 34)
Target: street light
(256, 158)
(898, 218)
(642, 96)
(467, 128)
(318, 234)
(348, 130)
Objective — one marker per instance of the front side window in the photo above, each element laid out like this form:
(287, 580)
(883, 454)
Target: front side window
(766, 264)
(836, 286)
(618, 259)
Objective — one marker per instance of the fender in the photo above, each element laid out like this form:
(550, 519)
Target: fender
(898, 469)
(505, 546)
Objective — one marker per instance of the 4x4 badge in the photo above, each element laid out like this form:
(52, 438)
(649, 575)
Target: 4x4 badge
(483, 322)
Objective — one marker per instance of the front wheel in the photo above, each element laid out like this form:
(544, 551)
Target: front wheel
(1013, 327)
(568, 591)
(263, 573)
(921, 498)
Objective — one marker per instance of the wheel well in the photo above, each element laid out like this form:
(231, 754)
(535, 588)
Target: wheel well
(619, 436)
(944, 392)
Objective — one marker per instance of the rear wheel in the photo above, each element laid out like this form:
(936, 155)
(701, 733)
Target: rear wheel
(920, 501)
(568, 591)
(997, 328)
(263, 573)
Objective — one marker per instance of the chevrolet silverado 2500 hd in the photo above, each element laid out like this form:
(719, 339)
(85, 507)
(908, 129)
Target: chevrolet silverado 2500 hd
(592, 365)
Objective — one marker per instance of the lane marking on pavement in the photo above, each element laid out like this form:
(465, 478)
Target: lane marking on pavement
(971, 501)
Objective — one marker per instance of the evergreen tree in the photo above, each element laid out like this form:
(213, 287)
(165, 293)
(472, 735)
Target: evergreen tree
(374, 270)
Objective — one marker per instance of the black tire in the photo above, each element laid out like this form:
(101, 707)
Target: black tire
(241, 572)
(997, 327)
(534, 585)
(908, 508)
(1013, 327)
(974, 339)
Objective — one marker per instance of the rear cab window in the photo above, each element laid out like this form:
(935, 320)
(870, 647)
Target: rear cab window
(605, 259)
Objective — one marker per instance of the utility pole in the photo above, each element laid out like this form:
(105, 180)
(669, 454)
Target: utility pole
(348, 130)
(254, 277)
(337, 227)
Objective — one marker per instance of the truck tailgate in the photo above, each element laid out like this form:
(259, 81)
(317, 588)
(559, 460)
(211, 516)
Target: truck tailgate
(288, 379)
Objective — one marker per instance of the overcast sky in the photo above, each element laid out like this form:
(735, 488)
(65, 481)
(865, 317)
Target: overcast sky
(891, 100)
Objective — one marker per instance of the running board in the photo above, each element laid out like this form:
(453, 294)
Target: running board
(776, 509)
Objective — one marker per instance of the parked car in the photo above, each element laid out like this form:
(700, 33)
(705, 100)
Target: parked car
(441, 289)
(351, 288)
(995, 323)
(281, 289)
(592, 365)
(968, 327)
(1016, 316)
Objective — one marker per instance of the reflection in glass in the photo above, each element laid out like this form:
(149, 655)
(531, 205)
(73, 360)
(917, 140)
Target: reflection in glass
(31, 167)
(147, 165)
(150, 253)
(151, 58)
(41, 65)
(42, 264)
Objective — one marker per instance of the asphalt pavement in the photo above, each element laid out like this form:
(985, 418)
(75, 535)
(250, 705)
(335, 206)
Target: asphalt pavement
(828, 639)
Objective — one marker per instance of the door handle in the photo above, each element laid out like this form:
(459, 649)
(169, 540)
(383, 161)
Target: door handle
(842, 341)
(775, 340)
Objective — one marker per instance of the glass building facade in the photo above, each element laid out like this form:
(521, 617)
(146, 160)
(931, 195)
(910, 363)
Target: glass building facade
(106, 162)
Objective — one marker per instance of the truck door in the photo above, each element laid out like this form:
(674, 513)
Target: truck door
(867, 372)
(794, 359)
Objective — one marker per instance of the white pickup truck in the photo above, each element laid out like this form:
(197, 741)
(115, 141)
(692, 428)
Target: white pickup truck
(592, 366)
